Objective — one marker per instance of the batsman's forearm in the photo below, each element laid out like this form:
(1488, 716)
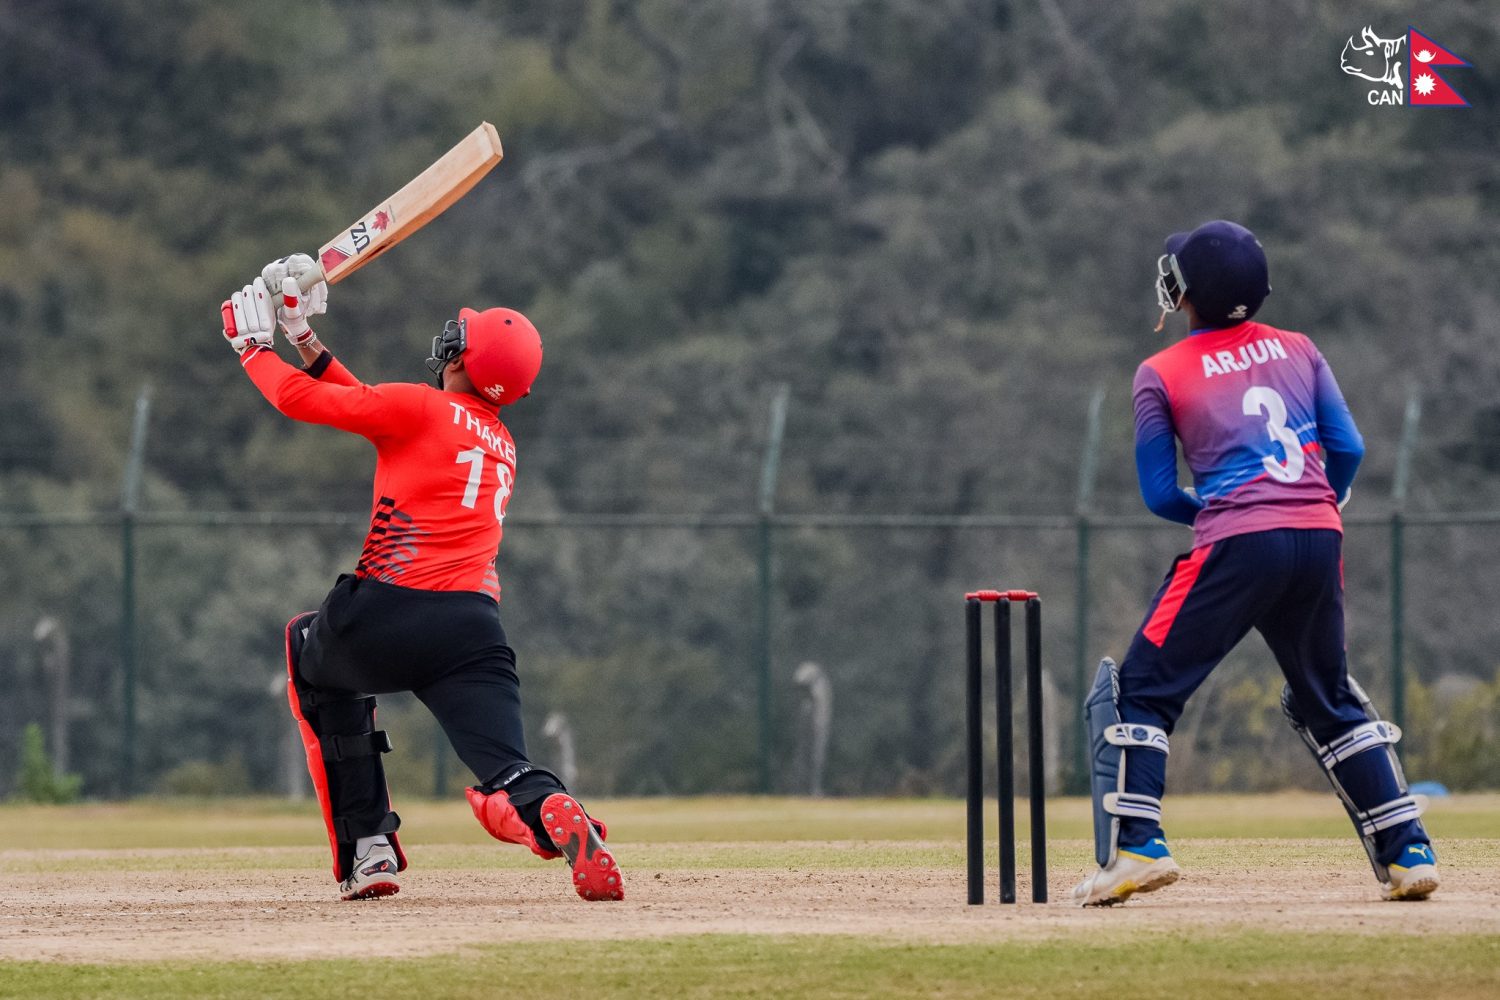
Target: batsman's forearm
(341, 401)
(309, 350)
(326, 368)
(332, 370)
(272, 376)
(292, 391)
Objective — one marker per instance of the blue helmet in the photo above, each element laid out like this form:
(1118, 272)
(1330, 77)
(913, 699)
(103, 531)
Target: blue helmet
(1220, 267)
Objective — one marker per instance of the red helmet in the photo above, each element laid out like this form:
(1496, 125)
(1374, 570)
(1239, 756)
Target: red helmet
(502, 352)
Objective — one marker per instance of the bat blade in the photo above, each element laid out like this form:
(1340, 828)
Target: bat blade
(424, 197)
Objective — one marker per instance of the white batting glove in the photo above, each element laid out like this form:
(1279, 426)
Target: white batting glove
(297, 305)
(293, 264)
(254, 326)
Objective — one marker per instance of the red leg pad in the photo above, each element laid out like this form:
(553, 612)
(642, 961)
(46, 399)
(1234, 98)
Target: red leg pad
(310, 744)
(500, 819)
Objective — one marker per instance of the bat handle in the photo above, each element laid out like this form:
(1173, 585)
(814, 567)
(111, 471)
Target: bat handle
(305, 281)
(227, 311)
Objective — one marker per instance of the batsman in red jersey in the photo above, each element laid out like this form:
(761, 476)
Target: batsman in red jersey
(420, 611)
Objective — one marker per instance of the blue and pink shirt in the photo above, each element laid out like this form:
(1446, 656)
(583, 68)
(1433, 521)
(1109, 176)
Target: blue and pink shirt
(1264, 430)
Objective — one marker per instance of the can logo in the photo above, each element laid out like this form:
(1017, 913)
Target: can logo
(1404, 69)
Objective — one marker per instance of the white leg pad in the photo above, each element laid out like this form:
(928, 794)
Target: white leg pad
(1136, 806)
(1376, 734)
(1357, 740)
(1392, 813)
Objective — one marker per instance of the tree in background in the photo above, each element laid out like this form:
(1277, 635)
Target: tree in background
(934, 221)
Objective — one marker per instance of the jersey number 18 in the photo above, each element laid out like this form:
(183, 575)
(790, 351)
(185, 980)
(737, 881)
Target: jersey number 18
(475, 458)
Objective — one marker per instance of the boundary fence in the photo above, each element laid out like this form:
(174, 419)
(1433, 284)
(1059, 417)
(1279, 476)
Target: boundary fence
(769, 528)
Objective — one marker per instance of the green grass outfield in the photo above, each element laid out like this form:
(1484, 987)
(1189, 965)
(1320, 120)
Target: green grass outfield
(668, 836)
(1308, 966)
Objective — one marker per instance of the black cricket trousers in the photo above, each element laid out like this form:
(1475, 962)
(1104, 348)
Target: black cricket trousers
(449, 649)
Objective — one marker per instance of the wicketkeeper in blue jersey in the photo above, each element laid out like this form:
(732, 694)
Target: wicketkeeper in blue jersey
(1273, 451)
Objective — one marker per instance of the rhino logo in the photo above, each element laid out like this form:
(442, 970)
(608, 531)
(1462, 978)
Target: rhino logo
(1374, 58)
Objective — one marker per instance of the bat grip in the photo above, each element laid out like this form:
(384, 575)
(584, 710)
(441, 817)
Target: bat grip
(305, 281)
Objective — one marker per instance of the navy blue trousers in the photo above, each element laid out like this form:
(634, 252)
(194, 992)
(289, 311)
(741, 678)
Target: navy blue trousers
(1288, 585)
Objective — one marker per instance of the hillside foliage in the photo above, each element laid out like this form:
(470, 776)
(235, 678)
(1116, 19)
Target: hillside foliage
(935, 221)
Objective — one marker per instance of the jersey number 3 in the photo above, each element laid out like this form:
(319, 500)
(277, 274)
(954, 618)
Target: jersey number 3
(475, 458)
(1261, 401)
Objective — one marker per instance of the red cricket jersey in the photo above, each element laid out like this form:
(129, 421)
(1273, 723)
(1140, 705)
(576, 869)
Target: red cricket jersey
(444, 469)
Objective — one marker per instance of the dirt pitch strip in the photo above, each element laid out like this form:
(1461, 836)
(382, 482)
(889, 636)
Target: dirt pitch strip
(221, 903)
(119, 914)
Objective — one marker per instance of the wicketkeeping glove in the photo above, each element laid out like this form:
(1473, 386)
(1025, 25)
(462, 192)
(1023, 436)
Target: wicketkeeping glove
(297, 305)
(254, 325)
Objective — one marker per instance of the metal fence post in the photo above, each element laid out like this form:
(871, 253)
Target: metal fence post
(129, 501)
(127, 653)
(1398, 633)
(767, 507)
(1399, 483)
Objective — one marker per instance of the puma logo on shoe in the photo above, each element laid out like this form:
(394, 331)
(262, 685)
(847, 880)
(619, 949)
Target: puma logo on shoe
(1417, 878)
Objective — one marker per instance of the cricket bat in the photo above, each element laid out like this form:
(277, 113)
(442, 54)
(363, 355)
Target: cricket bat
(422, 199)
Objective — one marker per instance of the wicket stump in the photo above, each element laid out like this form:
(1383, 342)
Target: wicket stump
(1005, 744)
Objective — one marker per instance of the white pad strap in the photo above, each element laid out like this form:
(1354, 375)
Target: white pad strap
(1366, 736)
(1392, 813)
(1137, 806)
(1136, 734)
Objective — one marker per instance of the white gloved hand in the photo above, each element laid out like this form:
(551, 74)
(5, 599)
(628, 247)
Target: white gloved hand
(293, 264)
(254, 325)
(1344, 500)
(297, 305)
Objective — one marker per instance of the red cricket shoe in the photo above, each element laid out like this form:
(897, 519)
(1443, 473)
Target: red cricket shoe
(595, 874)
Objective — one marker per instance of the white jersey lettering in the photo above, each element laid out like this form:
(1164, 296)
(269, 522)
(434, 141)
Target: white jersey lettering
(494, 442)
(1258, 353)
